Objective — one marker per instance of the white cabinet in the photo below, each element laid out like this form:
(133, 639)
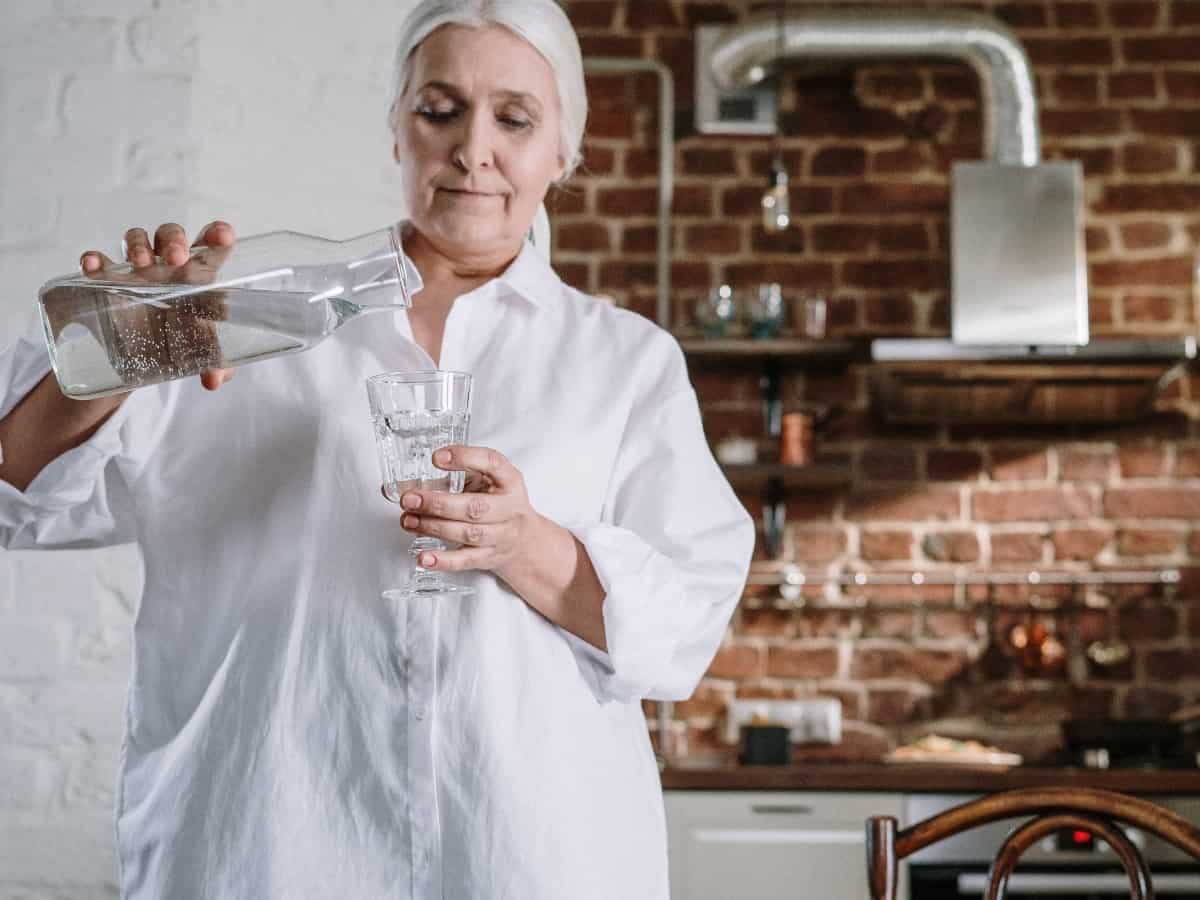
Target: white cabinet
(758, 845)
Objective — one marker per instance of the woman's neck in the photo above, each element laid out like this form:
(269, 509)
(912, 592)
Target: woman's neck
(443, 273)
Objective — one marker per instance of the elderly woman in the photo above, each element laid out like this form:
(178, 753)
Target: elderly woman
(290, 732)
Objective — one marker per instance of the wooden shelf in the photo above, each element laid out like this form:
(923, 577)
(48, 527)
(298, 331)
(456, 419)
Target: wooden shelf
(796, 350)
(820, 476)
(1017, 393)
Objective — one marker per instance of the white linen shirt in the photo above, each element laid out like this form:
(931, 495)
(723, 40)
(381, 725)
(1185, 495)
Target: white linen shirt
(291, 734)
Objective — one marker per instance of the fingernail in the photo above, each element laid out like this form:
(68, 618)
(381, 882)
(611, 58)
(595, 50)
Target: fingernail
(411, 501)
(409, 522)
(442, 457)
(428, 560)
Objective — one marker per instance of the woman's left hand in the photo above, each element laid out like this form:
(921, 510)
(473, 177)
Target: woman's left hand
(491, 519)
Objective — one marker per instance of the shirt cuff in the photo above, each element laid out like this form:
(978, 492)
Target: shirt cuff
(644, 614)
(68, 503)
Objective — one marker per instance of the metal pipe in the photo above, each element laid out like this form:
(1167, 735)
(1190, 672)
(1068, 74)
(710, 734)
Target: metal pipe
(666, 164)
(666, 193)
(745, 54)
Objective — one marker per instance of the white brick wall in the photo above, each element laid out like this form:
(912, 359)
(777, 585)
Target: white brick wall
(114, 113)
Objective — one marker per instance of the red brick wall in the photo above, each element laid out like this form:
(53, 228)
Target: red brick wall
(869, 149)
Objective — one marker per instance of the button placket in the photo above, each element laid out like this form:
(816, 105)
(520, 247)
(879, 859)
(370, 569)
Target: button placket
(456, 350)
(423, 821)
(402, 802)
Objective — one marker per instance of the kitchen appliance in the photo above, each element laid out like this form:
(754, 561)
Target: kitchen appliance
(1069, 864)
(1019, 289)
(765, 745)
(1127, 743)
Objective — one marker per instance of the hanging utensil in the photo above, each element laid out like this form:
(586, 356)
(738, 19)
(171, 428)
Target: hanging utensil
(994, 663)
(1108, 652)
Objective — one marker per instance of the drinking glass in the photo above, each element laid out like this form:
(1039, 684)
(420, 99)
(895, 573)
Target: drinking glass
(814, 316)
(416, 414)
(765, 311)
(717, 312)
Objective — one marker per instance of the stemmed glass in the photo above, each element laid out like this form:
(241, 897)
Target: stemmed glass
(416, 414)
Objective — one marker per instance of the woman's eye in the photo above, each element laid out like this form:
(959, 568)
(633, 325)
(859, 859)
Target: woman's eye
(437, 116)
(513, 123)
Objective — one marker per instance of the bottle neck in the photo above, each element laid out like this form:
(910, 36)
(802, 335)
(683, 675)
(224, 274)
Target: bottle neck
(380, 274)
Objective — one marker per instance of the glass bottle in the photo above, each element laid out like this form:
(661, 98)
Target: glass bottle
(264, 296)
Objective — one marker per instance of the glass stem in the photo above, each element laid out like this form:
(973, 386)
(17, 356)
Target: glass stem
(425, 579)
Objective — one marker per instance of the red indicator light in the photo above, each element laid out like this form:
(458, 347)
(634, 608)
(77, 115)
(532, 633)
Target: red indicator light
(1081, 837)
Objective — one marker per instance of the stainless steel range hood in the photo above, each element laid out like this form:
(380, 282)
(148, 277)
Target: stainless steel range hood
(1018, 263)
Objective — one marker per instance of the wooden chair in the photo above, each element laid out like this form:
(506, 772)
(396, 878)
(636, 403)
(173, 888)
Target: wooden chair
(1052, 809)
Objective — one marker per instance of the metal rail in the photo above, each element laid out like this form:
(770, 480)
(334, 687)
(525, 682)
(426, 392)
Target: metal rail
(792, 575)
(791, 582)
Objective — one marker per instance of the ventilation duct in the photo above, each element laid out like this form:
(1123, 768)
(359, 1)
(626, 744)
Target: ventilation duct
(1018, 265)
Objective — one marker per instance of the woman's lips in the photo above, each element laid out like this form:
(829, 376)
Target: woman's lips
(458, 192)
(470, 202)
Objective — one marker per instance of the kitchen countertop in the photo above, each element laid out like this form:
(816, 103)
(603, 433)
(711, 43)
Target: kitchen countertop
(921, 777)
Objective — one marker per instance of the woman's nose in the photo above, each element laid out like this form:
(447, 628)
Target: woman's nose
(474, 147)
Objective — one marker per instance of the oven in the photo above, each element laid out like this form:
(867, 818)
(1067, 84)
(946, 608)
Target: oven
(1069, 864)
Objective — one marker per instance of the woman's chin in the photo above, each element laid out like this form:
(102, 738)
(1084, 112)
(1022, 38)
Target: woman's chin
(471, 232)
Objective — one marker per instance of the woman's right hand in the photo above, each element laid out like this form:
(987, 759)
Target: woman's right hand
(170, 249)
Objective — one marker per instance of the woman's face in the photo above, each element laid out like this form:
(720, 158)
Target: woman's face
(478, 139)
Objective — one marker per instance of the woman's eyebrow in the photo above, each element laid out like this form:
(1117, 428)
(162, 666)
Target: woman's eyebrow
(443, 86)
(506, 96)
(527, 99)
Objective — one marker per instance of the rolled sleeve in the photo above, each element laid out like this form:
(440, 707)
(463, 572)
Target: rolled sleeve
(79, 499)
(672, 561)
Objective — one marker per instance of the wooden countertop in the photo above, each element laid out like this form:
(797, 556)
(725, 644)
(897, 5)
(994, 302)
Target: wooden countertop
(921, 778)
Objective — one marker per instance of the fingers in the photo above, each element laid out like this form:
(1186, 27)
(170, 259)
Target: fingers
(137, 248)
(469, 534)
(215, 234)
(92, 261)
(456, 560)
(170, 244)
(212, 379)
(218, 237)
(477, 508)
(489, 462)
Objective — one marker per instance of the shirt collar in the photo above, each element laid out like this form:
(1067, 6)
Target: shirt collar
(530, 277)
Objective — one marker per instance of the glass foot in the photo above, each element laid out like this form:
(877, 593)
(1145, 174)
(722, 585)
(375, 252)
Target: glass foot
(429, 590)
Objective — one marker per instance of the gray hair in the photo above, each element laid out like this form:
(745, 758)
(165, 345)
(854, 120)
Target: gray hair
(541, 23)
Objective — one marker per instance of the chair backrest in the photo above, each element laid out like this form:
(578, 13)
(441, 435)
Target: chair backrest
(1052, 809)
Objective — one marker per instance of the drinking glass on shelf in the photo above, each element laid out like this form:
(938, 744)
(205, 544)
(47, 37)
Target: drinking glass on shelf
(416, 414)
(765, 311)
(813, 308)
(717, 312)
